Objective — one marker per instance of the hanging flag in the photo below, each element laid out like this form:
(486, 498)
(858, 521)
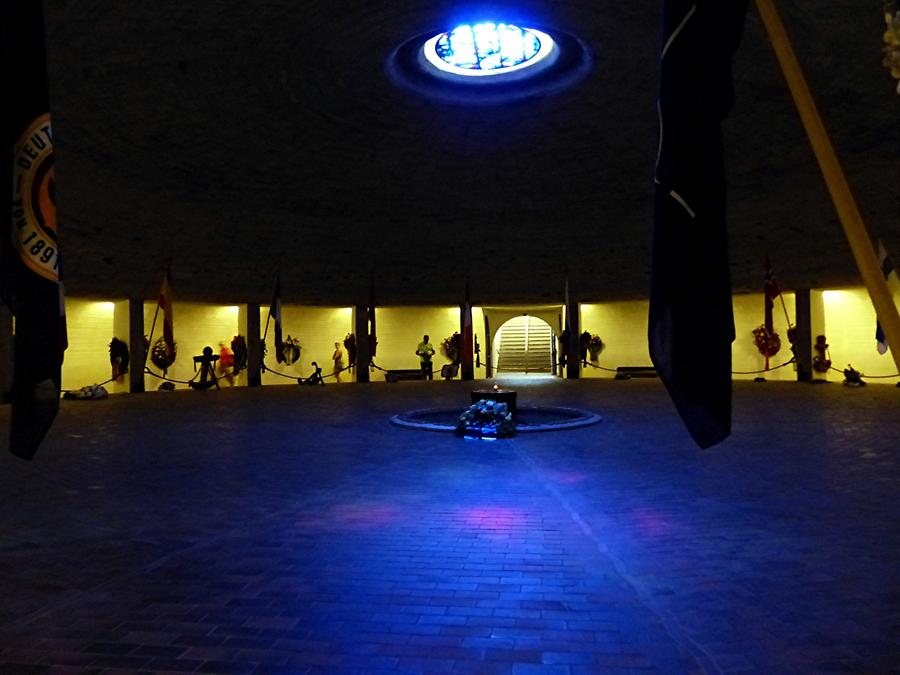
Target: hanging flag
(275, 315)
(691, 325)
(565, 341)
(771, 291)
(468, 355)
(164, 303)
(373, 337)
(30, 278)
(893, 284)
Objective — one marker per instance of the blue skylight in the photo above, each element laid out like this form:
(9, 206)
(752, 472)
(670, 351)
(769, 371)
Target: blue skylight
(487, 49)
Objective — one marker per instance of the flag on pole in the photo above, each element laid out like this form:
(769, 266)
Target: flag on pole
(373, 336)
(691, 325)
(893, 284)
(164, 302)
(30, 278)
(771, 291)
(275, 315)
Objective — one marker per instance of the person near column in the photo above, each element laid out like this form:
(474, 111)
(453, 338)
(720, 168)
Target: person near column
(425, 350)
(338, 358)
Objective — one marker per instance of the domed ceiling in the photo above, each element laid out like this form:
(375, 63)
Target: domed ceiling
(238, 138)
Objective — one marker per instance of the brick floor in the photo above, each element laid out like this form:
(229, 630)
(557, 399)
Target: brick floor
(293, 530)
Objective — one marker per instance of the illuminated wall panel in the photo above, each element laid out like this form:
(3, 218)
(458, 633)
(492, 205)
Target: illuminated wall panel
(317, 328)
(749, 313)
(90, 329)
(850, 332)
(400, 329)
(196, 326)
(623, 328)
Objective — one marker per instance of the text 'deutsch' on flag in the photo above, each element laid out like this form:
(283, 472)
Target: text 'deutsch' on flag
(691, 324)
(30, 280)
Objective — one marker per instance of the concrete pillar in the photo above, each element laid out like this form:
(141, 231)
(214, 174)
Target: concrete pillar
(361, 330)
(573, 342)
(803, 338)
(137, 355)
(249, 325)
(467, 353)
(6, 353)
(817, 323)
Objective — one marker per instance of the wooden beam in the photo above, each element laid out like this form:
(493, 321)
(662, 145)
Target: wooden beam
(841, 195)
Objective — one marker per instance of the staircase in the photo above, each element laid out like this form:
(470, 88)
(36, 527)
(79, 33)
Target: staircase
(524, 346)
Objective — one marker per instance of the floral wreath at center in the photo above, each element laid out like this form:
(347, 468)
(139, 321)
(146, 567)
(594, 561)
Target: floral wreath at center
(486, 418)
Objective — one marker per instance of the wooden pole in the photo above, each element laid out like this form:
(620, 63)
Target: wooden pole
(844, 203)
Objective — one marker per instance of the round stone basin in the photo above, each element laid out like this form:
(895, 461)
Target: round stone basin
(529, 419)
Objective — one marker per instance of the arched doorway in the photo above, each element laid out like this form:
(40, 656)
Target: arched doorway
(523, 345)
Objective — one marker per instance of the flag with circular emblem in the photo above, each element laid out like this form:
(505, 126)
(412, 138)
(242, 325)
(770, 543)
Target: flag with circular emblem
(31, 281)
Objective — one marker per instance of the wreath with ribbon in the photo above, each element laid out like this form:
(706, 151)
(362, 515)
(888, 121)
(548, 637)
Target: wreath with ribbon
(118, 357)
(161, 356)
(239, 349)
(767, 343)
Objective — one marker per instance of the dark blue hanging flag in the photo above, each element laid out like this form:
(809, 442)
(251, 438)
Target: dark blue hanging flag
(275, 315)
(691, 324)
(890, 276)
(30, 282)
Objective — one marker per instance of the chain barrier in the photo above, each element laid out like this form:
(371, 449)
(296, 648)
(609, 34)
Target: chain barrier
(764, 370)
(863, 375)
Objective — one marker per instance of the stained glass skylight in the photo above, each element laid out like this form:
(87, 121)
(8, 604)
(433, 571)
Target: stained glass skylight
(487, 49)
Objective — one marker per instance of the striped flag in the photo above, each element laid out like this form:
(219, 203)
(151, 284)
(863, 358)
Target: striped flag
(771, 291)
(373, 335)
(691, 325)
(893, 284)
(275, 315)
(30, 277)
(164, 303)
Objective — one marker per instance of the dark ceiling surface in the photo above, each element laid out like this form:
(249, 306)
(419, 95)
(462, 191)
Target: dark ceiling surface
(240, 137)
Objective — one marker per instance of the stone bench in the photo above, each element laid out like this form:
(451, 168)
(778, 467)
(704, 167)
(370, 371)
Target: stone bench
(627, 372)
(403, 374)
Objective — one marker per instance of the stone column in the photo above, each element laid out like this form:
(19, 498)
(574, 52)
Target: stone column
(573, 344)
(6, 353)
(803, 339)
(467, 353)
(361, 330)
(137, 356)
(250, 327)
(817, 324)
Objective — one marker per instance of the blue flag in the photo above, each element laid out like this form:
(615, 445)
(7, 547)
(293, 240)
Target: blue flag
(691, 324)
(30, 280)
(890, 276)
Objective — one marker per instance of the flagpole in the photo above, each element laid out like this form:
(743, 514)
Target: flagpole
(152, 328)
(269, 313)
(836, 181)
(784, 307)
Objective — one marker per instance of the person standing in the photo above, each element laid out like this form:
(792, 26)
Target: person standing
(425, 350)
(338, 358)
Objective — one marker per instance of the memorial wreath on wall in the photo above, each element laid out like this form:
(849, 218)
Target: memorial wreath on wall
(161, 356)
(118, 358)
(768, 343)
(451, 347)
